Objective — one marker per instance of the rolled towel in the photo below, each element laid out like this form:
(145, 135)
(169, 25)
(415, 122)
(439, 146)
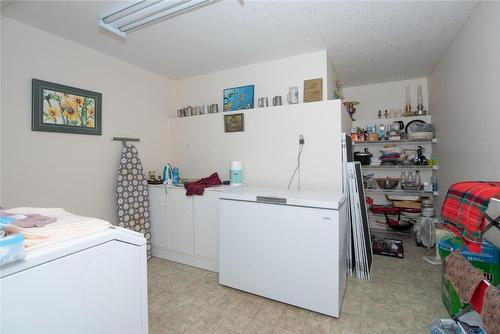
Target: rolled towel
(462, 275)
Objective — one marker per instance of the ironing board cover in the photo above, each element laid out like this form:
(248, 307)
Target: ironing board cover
(132, 195)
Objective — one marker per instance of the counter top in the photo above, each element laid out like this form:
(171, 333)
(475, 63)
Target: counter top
(220, 188)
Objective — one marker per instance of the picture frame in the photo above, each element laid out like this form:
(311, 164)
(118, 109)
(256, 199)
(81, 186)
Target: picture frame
(238, 98)
(234, 122)
(313, 90)
(65, 109)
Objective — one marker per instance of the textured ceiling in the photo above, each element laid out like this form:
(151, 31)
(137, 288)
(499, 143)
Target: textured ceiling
(367, 41)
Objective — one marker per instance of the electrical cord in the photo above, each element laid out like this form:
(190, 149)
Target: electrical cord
(297, 169)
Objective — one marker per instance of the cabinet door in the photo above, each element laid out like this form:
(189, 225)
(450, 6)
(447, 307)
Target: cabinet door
(158, 216)
(180, 221)
(206, 225)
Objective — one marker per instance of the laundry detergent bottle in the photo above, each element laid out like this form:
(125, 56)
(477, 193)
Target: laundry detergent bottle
(236, 173)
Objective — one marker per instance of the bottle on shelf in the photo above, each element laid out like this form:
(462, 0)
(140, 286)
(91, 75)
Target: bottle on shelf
(382, 130)
(418, 179)
(434, 183)
(411, 178)
(403, 176)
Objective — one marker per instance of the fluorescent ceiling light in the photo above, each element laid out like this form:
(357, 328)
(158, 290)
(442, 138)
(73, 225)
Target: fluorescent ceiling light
(146, 12)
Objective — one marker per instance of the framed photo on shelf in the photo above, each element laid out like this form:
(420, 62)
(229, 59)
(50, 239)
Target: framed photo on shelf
(238, 98)
(234, 123)
(59, 108)
(313, 90)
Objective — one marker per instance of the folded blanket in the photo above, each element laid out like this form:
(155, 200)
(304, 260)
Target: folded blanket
(463, 210)
(68, 226)
(27, 220)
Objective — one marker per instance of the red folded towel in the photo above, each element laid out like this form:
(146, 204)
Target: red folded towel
(198, 187)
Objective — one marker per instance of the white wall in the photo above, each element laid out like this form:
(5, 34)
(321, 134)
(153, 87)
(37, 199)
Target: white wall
(464, 97)
(382, 96)
(332, 76)
(270, 78)
(76, 172)
(268, 147)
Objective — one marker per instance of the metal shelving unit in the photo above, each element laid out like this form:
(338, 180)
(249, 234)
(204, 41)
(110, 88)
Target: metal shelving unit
(401, 141)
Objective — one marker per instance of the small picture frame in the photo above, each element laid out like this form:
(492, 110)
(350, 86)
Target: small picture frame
(313, 90)
(59, 108)
(238, 98)
(234, 123)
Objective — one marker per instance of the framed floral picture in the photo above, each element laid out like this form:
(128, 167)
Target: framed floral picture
(59, 108)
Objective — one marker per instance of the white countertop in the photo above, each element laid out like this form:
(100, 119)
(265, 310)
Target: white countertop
(308, 198)
(181, 187)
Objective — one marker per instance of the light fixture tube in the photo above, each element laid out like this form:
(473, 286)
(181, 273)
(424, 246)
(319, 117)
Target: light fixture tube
(129, 10)
(183, 7)
(155, 9)
(145, 12)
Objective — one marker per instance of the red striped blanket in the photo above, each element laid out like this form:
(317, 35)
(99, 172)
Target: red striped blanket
(463, 210)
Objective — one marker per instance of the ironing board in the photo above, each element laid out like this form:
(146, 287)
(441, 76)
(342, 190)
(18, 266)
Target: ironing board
(132, 195)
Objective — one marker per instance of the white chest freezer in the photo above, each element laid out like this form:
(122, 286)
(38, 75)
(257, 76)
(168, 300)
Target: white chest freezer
(285, 245)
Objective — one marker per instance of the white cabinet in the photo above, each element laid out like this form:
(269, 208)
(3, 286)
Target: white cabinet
(184, 228)
(206, 225)
(158, 216)
(180, 221)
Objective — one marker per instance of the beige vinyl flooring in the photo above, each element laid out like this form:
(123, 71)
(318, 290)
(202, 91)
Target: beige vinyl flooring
(403, 296)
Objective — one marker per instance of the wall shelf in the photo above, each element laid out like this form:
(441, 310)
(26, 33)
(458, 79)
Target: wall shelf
(401, 141)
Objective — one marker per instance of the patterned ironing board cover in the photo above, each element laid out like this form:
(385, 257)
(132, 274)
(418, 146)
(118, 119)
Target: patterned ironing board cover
(132, 195)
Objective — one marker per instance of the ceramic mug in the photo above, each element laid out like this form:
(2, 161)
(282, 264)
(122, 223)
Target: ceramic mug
(277, 101)
(189, 111)
(214, 107)
(293, 95)
(263, 102)
(204, 109)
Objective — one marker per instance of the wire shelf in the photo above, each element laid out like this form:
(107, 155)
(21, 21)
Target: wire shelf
(401, 191)
(401, 141)
(398, 167)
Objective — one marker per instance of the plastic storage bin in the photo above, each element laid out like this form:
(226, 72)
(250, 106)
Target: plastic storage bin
(11, 248)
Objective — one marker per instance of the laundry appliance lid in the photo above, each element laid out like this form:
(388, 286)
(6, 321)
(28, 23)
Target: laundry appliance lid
(305, 198)
(61, 249)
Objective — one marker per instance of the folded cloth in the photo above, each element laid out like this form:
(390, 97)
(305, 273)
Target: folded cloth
(68, 226)
(462, 275)
(198, 187)
(491, 310)
(28, 220)
(463, 210)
